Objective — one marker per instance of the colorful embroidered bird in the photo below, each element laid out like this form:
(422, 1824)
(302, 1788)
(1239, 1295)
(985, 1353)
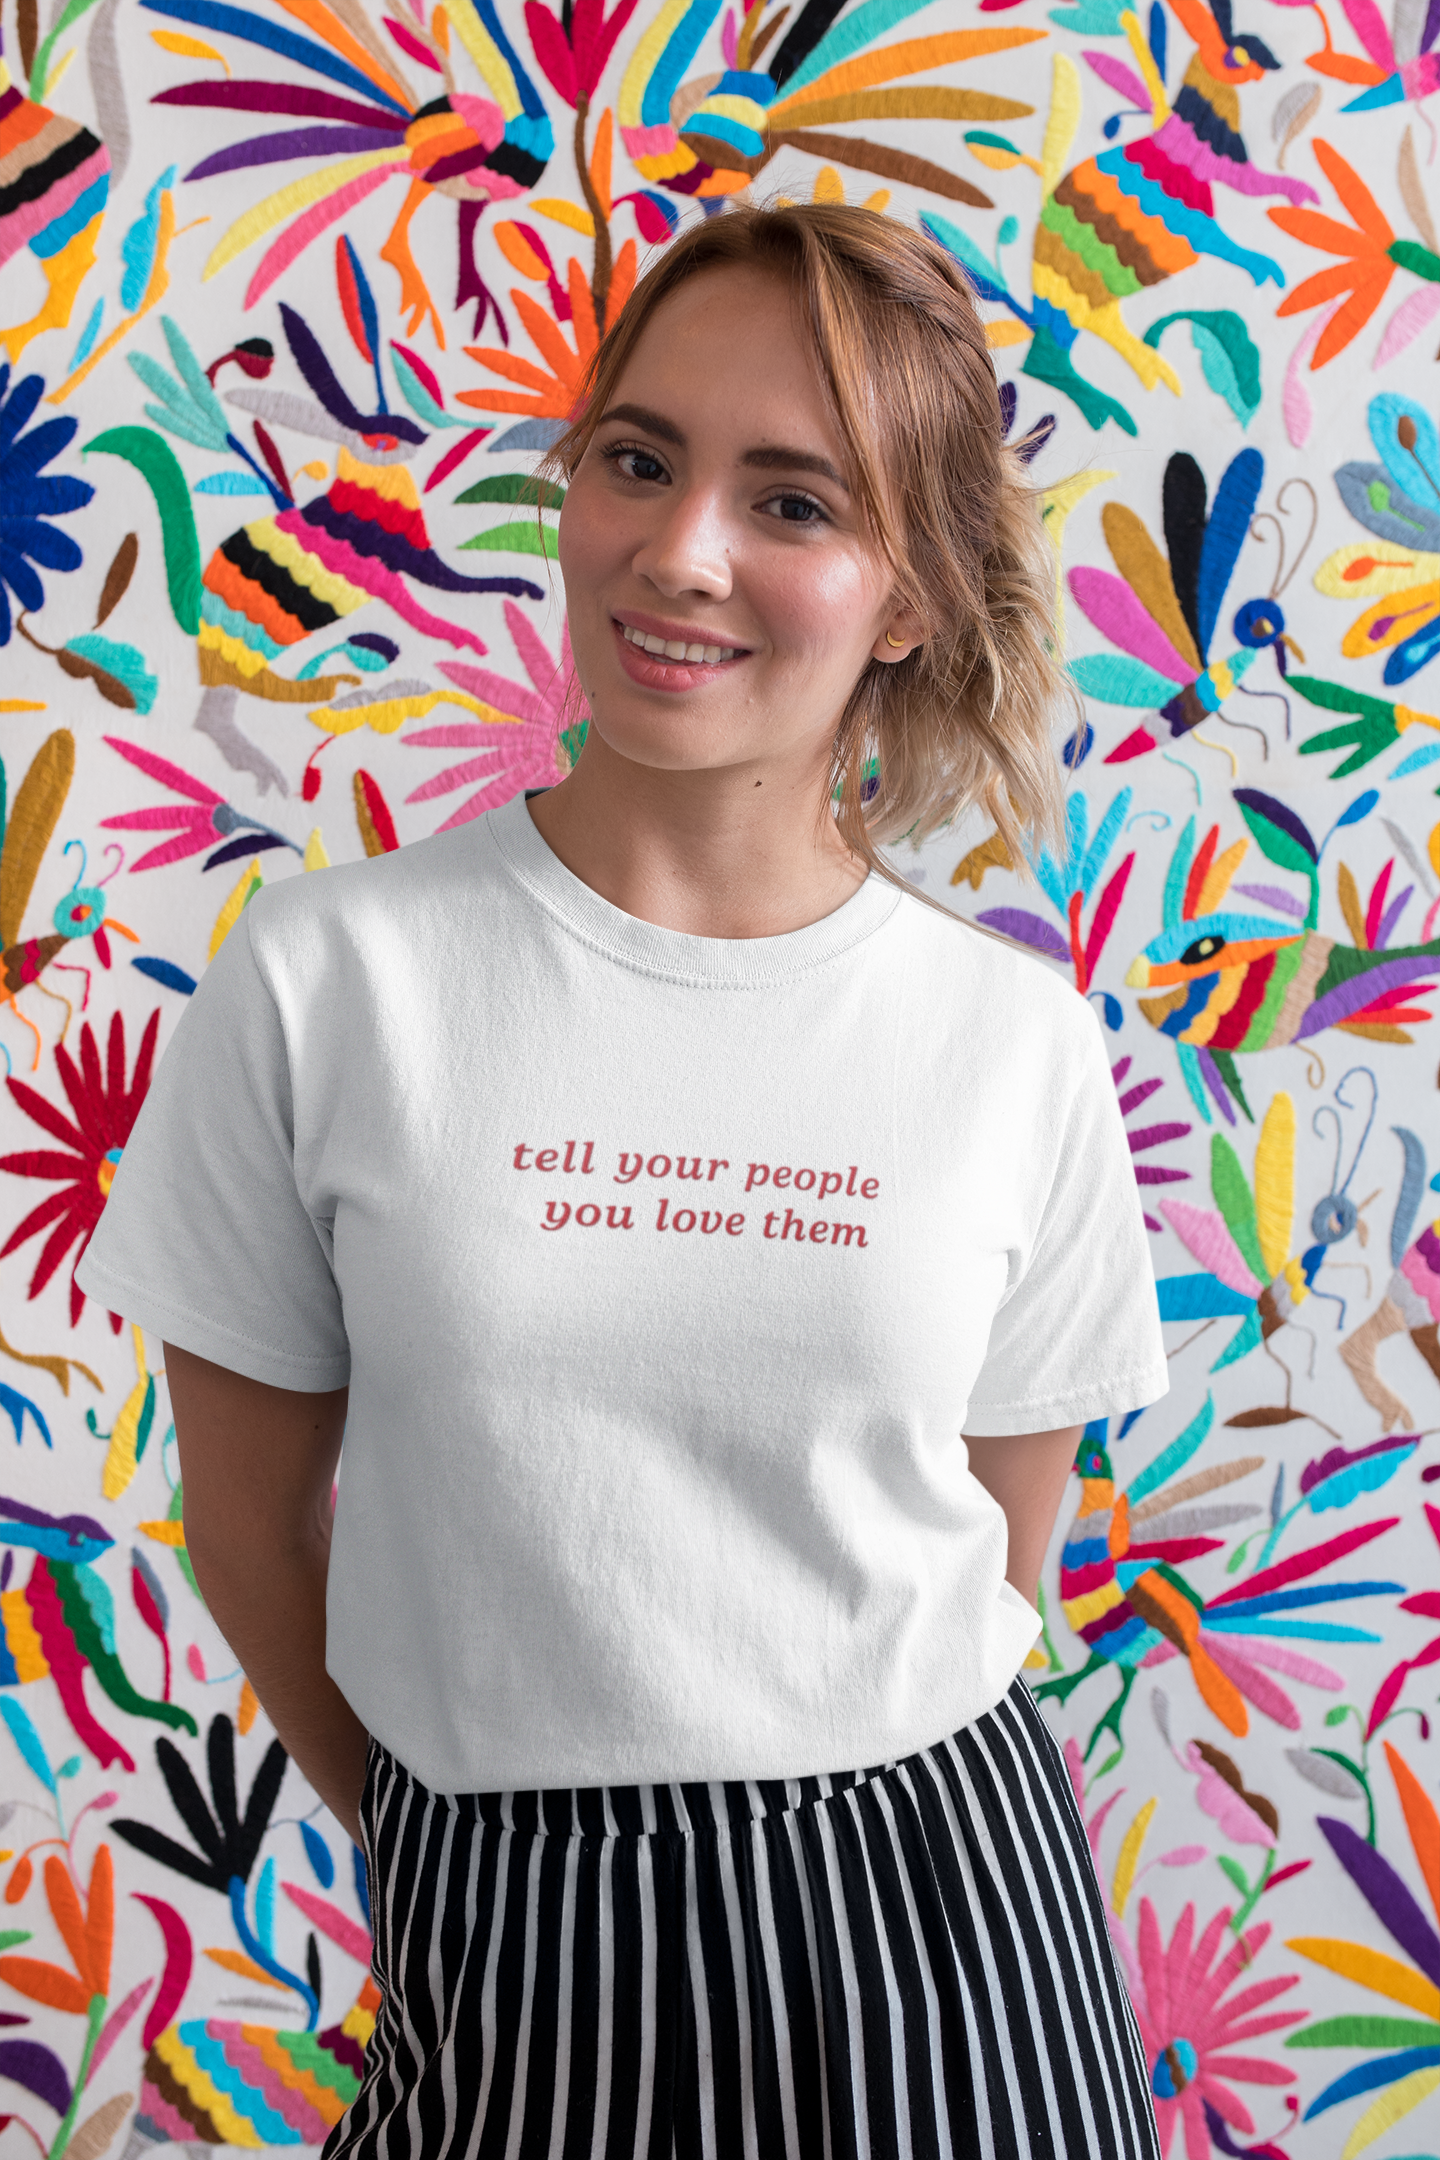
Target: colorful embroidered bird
(1123, 1594)
(1227, 984)
(54, 181)
(310, 566)
(1244, 1245)
(1411, 1304)
(472, 148)
(1125, 221)
(710, 137)
(1163, 613)
(216, 2081)
(1401, 69)
(63, 1620)
(24, 837)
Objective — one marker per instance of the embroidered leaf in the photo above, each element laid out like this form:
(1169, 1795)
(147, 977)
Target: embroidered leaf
(97, 2132)
(40, 2072)
(1387, 1895)
(521, 536)
(1118, 77)
(319, 1855)
(331, 1921)
(1385, 2032)
(1236, 1203)
(1116, 679)
(977, 267)
(1292, 116)
(1027, 929)
(1283, 837)
(514, 488)
(31, 1746)
(158, 466)
(1229, 356)
(179, 1962)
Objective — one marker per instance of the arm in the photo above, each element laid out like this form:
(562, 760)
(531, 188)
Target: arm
(1026, 1473)
(258, 1466)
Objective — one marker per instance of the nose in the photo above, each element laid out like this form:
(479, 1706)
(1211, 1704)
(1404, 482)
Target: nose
(688, 550)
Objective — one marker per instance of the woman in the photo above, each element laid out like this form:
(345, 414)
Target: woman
(652, 1188)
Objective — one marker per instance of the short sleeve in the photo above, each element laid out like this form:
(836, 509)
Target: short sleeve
(205, 1240)
(1078, 1335)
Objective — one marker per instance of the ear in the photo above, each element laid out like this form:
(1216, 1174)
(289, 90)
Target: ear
(899, 635)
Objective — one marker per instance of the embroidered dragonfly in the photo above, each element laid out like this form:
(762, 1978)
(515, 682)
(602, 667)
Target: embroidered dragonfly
(24, 837)
(1162, 610)
(1243, 1245)
(1226, 984)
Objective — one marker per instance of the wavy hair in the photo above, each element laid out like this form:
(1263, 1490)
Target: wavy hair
(966, 718)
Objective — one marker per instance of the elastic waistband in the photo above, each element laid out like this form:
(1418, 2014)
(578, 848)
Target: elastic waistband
(631, 1811)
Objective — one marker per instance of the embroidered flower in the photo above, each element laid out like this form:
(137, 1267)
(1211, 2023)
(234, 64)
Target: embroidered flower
(1188, 2029)
(105, 1111)
(531, 747)
(29, 498)
(1370, 253)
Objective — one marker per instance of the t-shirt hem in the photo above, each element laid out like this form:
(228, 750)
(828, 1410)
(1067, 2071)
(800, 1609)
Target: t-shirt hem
(203, 1337)
(1133, 1390)
(553, 1763)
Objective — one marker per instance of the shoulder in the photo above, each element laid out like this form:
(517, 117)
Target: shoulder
(993, 977)
(359, 905)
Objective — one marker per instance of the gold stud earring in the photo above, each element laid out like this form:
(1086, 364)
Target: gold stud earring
(893, 640)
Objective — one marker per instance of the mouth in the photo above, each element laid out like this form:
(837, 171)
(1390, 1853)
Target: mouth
(661, 663)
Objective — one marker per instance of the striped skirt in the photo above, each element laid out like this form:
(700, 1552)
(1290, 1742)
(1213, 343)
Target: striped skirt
(910, 1960)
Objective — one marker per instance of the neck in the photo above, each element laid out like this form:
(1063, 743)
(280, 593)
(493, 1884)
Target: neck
(738, 852)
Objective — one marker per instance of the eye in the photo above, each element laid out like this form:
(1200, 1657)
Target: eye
(1204, 948)
(631, 461)
(797, 509)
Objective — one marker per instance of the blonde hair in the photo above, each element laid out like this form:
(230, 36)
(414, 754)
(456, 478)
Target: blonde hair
(967, 716)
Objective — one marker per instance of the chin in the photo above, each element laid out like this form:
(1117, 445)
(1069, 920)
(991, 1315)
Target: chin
(673, 748)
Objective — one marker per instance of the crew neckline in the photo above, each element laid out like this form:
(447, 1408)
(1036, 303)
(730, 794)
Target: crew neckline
(676, 954)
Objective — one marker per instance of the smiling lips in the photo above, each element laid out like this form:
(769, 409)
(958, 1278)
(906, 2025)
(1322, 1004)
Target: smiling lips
(676, 649)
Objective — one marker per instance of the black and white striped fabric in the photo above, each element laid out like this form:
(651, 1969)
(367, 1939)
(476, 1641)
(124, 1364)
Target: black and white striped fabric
(904, 1961)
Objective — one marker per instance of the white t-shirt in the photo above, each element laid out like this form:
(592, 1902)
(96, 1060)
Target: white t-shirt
(664, 1272)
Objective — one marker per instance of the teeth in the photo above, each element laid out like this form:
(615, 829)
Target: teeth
(676, 649)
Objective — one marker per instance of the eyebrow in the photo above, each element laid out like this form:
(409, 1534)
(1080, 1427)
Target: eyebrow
(764, 457)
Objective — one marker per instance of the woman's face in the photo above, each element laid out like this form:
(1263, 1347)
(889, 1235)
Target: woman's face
(710, 514)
